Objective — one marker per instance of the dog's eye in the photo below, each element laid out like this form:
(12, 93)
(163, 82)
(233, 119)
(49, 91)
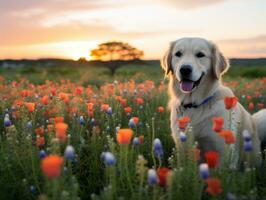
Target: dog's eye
(200, 55)
(178, 54)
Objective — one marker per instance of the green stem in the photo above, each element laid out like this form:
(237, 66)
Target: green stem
(152, 139)
(126, 168)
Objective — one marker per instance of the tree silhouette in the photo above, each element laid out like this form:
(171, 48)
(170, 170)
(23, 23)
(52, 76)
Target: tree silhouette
(115, 54)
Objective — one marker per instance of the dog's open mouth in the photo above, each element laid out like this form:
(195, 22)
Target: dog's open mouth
(187, 85)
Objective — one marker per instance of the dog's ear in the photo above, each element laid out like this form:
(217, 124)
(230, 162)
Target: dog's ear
(167, 59)
(220, 64)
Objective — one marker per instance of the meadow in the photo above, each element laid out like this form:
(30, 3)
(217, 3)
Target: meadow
(72, 131)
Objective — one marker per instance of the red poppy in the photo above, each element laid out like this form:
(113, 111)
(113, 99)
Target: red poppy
(249, 97)
(228, 136)
(214, 186)
(230, 102)
(160, 109)
(260, 105)
(128, 109)
(217, 124)
(162, 176)
(39, 131)
(40, 141)
(183, 122)
(251, 106)
(212, 158)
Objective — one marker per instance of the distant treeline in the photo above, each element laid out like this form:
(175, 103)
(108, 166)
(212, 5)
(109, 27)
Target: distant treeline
(46, 62)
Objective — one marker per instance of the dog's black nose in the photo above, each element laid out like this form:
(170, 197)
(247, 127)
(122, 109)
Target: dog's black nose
(185, 70)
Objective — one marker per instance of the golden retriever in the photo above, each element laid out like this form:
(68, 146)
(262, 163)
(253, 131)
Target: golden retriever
(194, 67)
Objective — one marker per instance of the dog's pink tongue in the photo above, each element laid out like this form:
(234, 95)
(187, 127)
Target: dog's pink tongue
(186, 85)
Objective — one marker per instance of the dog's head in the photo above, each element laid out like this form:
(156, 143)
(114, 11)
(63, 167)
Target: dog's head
(189, 60)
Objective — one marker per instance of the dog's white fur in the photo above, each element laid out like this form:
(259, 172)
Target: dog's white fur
(213, 65)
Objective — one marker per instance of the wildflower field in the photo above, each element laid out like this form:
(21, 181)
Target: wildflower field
(72, 140)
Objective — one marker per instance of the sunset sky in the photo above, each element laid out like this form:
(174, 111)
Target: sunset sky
(70, 28)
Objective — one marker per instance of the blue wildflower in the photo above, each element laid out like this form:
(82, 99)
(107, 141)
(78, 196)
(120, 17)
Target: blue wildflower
(248, 146)
(81, 120)
(246, 135)
(204, 171)
(42, 154)
(7, 121)
(69, 153)
(32, 189)
(92, 121)
(29, 125)
(131, 123)
(109, 111)
(152, 177)
(182, 136)
(108, 158)
(158, 148)
(136, 141)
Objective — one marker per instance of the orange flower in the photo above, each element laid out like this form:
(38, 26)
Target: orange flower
(25, 93)
(217, 124)
(211, 158)
(183, 122)
(195, 154)
(30, 106)
(123, 102)
(39, 131)
(139, 101)
(141, 139)
(162, 176)
(90, 107)
(104, 107)
(128, 109)
(214, 186)
(118, 98)
(59, 119)
(45, 99)
(160, 109)
(124, 136)
(230, 102)
(61, 129)
(40, 141)
(50, 127)
(251, 106)
(64, 96)
(51, 166)
(18, 103)
(136, 120)
(228, 136)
